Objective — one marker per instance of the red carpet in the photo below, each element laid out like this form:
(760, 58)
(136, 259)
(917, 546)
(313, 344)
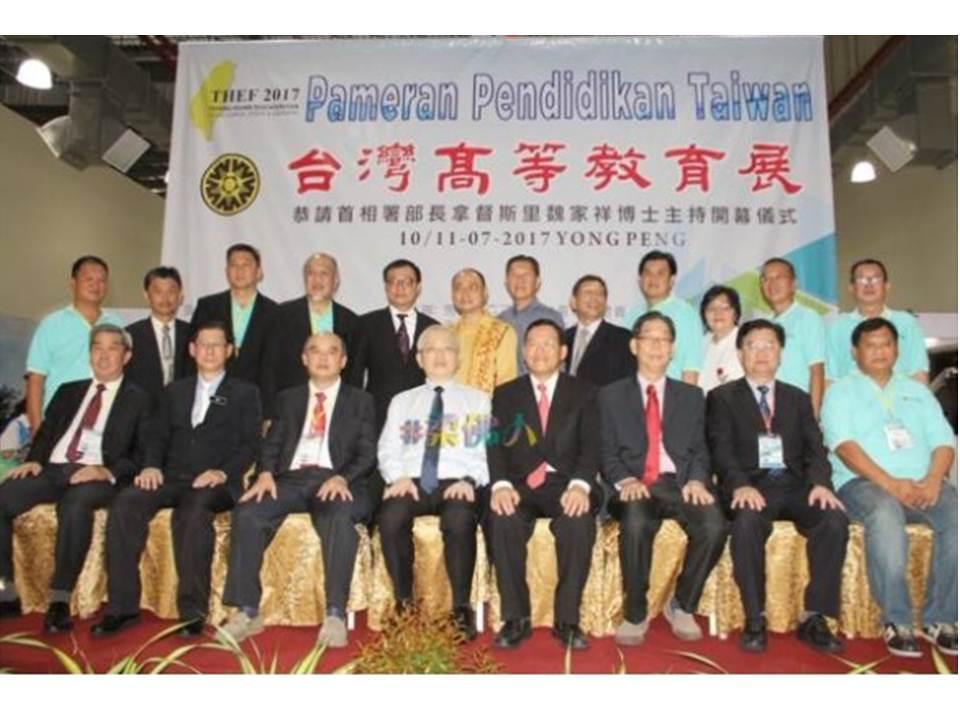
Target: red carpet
(540, 654)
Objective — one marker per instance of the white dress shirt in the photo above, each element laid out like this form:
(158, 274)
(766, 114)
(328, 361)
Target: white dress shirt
(756, 393)
(721, 363)
(93, 439)
(201, 399)
(466, 422)
(551, 386)
(312, 450)
(409, 321)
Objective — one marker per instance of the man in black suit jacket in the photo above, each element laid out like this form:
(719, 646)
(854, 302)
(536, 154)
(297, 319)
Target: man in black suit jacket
(316, 458)
(242, 301)
(770, 461)
(205, 437)
(539, 471)
(87, 446)
(596, 350)
(654, 456)
(296, 320)
(160, 341)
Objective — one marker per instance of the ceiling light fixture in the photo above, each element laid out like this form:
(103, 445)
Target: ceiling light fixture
(35, 73)
(863, 172)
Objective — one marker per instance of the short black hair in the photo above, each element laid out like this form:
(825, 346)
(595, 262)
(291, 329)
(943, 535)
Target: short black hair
(589, 278)
(761, 324)
(658, 255)
(402, 263)
(872, 325)
(782, 261)
(83, 260)
(733, 297)
(244, 247)
(162, 272)
(211, 325)
(651, 316)
(544, 322)
(524, 258)
(867, 261)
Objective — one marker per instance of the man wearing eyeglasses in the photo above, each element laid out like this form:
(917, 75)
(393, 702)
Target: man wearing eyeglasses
(869, 286)
(771, 464)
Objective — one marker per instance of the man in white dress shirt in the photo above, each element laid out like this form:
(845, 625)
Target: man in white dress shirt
(433, 459)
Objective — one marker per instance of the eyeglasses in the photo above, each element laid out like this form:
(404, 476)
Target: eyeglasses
(719, 308)
(655, 340)
(868, 280)
(211, 345)
(759, 345)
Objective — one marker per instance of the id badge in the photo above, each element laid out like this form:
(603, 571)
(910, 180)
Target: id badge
(90, 446)
(898, 437)
(770, 452)
(308, 452)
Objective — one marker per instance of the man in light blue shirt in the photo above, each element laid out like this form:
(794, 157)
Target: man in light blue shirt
(869, 286)
(803, 356)
(58, 351)
(657, 276)
(523, 284)
(890, 449)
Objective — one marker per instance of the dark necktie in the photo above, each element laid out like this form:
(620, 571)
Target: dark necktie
(765, 407)
(403, 339)
(651, 468)
(432, 442)
(88, 420)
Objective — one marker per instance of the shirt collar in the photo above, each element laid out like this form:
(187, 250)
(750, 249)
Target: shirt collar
(409, 315)
(786, 312)
(660, 385)
(109, 387)
(446, 384)
(550, 382)
(660, 303)
(754, 385)
(330, 392)
(592, 327)
(236, 304)
(158, 324)
(211, 386)
(885, 313)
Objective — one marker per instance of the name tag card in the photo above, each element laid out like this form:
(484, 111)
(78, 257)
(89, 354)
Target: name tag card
(898, 437)
(308, 451)
(90, 446)
(770, 451)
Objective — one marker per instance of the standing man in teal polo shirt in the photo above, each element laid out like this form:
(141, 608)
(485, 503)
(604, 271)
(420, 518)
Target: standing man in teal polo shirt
(804, 353)
(657, 275)
(58, 351)
(869, 285)
(890, 448)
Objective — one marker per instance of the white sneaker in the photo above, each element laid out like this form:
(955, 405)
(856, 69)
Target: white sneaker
(240, 626)
(333, 633)
(682, 623)
(631, 633)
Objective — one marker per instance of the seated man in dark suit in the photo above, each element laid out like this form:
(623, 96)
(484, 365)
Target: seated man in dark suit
(771, 464)
(298, 319)
(87, 447)
(596, 350)
(544, 464)
(654, 455)
(433, 459)
(387, 354)
(160, 341)
(315, 459)
(204, 438)
(245, 312)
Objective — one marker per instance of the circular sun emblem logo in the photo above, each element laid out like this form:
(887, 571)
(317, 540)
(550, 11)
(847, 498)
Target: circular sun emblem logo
(230, 184)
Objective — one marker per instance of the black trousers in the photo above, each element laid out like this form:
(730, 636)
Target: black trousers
(508, 537)
(706, 529)
(254, 525)
(75, 507)
(193, 541)
(458, 525)
(826, 534)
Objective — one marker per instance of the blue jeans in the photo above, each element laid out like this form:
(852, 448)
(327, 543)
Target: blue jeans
(884, 520)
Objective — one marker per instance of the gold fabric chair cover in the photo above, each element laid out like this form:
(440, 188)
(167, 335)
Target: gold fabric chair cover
(431, 587)
(291, 576)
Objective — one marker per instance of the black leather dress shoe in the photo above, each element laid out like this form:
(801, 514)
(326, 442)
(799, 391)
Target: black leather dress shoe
(815, 632)
(465, 621)
(193, 628)
(10, 608)
(754, 636)
(112, 624)
(570, 636)
(57, 619)
(512, 633)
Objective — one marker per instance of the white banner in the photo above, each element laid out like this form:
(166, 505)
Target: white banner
(585, 153)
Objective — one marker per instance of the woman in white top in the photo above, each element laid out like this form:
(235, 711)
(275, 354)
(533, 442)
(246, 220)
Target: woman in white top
(720, 312)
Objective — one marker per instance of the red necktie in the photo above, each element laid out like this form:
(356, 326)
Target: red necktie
(88, 420)
(651, 468)
(319, 425)
(539, 476)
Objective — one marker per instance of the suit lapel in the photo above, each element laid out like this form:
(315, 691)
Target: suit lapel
(338, 418)
(668, 411)
(152, 356)
(781, 407)
(634, 401)
(594, 344)
(180, 352)
(748, 404)
(528, 406)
